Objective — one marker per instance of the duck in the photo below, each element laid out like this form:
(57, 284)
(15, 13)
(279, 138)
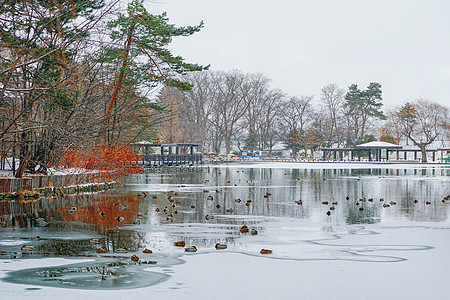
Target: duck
(416, 201)
(325, 202)
(299, 202)
(347, 198)
(190, 249)
(237, 200)
(386, 205)
(134, 258)
(247, 204)
(328, 213)
(427, 202)
(209, 217)
(361, 208)
(370, 200)
(332, 208)
(334, 203)
(157, 210)
(27, 248)
(381, 199)
(193, 206)
(254, 231)
(220, 246)
(180, 244)
(230, 210)
(393, 203)
(244, 229)
(265, 251)
(218, 206)
(146, 250)
(211, 198)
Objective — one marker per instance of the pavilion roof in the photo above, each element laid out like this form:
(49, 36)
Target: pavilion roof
(379, 145)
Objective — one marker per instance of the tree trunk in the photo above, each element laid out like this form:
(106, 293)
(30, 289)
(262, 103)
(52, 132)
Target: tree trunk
(227, 145)
(127, 47)
(23, 165)
(424, 152)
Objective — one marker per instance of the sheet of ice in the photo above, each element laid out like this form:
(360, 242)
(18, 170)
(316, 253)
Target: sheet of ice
(394, 261)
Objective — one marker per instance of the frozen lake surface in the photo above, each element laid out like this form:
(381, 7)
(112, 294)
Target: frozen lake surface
(336, 231)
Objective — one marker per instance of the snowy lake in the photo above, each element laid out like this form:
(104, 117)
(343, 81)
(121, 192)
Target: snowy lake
(336, 231)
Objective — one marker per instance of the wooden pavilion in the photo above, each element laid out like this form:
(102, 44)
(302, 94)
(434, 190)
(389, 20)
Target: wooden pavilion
(169, 154)
(374, 151)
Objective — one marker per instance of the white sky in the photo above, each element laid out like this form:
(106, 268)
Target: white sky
(302, 45)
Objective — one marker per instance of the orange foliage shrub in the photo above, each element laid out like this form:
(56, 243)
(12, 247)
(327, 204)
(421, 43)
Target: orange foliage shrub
(113, 161)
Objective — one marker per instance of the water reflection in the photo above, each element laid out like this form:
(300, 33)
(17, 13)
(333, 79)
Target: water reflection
(224, 185)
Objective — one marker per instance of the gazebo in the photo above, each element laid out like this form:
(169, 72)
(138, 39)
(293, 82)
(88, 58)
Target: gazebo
(375, 150)
(377, 147)
(170, 154)
(372, 148)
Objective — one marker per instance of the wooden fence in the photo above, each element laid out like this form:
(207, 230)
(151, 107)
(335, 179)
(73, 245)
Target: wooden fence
(171, 159)
(9, 185)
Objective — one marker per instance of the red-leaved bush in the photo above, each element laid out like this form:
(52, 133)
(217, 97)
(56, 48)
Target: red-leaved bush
(113, 162)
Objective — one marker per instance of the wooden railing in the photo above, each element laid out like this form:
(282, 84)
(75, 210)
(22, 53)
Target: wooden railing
(170, 159)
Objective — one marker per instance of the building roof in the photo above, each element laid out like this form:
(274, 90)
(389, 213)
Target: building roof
(146, 143)
(143, 143)
(379, 145)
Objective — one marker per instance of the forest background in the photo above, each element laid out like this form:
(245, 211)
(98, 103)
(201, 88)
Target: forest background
(81, 80)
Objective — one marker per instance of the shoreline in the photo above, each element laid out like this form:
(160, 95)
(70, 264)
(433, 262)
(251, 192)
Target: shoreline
(32, 186)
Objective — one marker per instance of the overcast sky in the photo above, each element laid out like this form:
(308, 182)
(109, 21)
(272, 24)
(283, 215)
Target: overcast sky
(303, 45)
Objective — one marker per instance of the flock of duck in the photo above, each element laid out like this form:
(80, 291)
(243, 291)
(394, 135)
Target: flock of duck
(171, 210)
(361, 202)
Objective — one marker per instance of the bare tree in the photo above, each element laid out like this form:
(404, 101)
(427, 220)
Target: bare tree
(332, 114)
(268, 119)
(296, 115)
(422, 122)
(198, 108)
